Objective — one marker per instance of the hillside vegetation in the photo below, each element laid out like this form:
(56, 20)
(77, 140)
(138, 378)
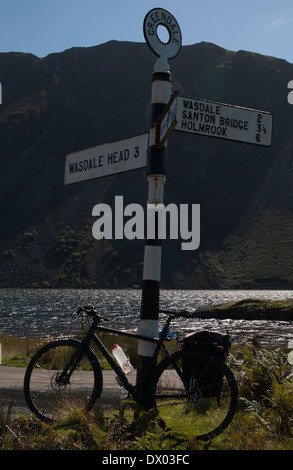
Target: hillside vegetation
(85, 97)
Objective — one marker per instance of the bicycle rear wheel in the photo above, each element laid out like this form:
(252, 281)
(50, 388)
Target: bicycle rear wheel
(195, 392)
(52, 388)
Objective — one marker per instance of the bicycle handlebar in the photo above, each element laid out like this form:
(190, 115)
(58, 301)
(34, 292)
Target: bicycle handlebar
(91, 312)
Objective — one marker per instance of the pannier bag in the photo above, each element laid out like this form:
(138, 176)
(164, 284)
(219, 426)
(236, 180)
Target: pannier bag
(198, 373)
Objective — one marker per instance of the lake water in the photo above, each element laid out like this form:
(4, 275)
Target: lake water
(45, 312)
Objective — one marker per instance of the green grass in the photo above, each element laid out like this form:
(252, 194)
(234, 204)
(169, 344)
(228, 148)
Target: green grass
(17, 351)
(264, 419)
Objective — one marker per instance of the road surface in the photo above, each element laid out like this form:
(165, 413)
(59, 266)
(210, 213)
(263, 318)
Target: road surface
(11, 388)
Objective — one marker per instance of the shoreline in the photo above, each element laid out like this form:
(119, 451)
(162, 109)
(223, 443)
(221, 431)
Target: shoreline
(247, 309)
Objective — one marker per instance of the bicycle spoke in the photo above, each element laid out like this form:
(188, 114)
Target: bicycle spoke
(51, 389)
(203, 403)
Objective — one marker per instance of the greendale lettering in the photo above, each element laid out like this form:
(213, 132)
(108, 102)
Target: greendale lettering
(159, 17)
(163, 17)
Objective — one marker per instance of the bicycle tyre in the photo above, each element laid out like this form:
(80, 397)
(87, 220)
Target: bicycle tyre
(191, 404)
(47, 398)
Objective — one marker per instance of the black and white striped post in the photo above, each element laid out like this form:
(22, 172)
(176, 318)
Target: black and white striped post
(156, 170)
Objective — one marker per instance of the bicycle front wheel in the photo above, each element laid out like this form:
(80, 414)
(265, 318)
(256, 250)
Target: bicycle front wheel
(194, 392)
(61, 377)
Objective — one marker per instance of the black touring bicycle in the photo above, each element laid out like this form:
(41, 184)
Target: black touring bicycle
(191, 387)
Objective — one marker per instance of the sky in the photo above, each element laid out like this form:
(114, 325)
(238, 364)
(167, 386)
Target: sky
(42, 27)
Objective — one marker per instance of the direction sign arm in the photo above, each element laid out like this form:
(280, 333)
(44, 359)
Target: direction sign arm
(167, 108)
(166, 122)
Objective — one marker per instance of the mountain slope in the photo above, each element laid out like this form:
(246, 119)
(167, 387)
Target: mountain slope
(89, 96)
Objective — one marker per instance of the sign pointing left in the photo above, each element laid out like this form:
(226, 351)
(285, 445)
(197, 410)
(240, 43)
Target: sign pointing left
(107, 159)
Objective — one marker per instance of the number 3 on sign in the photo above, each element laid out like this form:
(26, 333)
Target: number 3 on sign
(136, 152)
(290, 96)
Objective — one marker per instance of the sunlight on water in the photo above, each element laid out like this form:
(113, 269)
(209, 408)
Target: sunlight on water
(44, 312)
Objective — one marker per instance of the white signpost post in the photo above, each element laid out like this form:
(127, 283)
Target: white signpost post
(163, 119)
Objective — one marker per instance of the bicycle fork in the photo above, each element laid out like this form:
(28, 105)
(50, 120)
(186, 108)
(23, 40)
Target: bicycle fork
(73, 363)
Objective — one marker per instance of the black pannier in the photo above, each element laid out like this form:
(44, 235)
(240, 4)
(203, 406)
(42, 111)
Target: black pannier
(197, 373)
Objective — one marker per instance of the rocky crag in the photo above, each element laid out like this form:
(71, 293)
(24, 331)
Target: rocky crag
(84, 97)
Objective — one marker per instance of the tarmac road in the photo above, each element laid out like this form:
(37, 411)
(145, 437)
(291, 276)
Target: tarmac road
(11, 389)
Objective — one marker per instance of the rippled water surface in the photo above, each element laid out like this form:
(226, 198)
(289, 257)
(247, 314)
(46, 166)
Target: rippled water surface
(42, 312)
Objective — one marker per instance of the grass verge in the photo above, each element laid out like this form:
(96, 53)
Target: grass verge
(264, 420)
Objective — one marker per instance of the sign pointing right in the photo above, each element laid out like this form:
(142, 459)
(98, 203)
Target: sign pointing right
(224, 121)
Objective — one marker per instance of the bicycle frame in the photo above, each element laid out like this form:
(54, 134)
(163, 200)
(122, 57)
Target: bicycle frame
(91, 336)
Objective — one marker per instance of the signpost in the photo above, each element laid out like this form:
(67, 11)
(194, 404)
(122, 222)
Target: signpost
(168, 112)
(224, 121)
(159, 17)
(162, 118)
(107, 159)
